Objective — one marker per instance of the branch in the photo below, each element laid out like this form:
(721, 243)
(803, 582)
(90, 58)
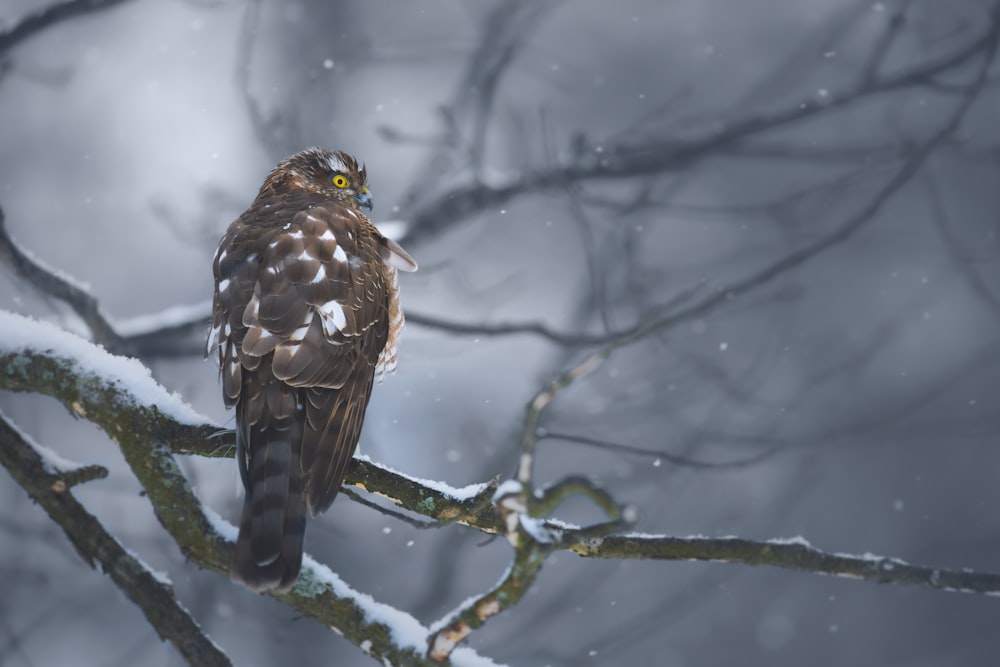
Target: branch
(41, 20)
(533, 541)
(790, 554)
(184, 336)
(674, 459)
(503, 31)
(53, 283)
(185, 333)
(50, 488)
(668, 154)
(839, 235)
(150, 426)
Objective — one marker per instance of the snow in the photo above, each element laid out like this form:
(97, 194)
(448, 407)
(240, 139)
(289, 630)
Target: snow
(508, 487)
(226, 530)
(161, 577)
(467, 603)
(55, 463)
(169, 317)
(455, 493)
(23, 334)
(404, 629)
(539, 531)
(797, 540)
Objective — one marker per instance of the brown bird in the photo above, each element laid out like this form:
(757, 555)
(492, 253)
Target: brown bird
(306, 315)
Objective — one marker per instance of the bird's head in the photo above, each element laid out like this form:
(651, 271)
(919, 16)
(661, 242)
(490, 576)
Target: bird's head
(333, 174)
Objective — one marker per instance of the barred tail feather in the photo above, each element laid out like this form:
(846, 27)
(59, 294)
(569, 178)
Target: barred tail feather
(272, 527)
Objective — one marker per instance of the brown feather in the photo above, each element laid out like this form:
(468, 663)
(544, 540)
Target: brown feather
(305, 303)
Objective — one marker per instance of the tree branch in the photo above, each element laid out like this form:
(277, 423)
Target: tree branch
(146, 422)
(41, 20)
(668, 154)
(50, 488)
(790, 554)
(150, 426)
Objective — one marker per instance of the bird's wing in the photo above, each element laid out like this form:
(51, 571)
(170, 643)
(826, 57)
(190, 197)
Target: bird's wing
(320, 308)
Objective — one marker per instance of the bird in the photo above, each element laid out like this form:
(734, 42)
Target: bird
(305, 317)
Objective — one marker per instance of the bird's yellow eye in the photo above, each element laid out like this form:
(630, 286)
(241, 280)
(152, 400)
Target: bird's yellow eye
(340, 181)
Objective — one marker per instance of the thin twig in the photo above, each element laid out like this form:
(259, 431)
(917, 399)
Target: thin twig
(674, 459)
(653, 156)
(542, 400)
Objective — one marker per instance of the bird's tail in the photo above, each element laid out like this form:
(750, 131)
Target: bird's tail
(272, 528)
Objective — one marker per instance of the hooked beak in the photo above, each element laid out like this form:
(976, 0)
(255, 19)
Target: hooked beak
(364, 198)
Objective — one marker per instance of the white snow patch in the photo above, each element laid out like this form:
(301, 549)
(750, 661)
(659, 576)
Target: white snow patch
(562, 525)
(798, 539)
(455, 493)
(161, 577)
(226, 530)
(23, 334)
(405, 630)
(539, 531)
(508, 487)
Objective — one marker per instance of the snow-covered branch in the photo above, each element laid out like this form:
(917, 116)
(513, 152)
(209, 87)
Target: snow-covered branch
(148, 424)
(151, 426)
(49, 486)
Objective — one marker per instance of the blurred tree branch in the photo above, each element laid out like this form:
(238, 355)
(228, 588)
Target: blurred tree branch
(149, 437)
(660, 155)
(43, 19)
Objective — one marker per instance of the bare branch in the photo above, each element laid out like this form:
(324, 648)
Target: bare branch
(503, 31)
(154, 596)
(41, 20)
(792, 554)
(885, 41)
(50, 282)
(675, 459)
(667, 155)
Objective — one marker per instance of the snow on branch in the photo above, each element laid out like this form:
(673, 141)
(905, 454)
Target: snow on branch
(151, 426)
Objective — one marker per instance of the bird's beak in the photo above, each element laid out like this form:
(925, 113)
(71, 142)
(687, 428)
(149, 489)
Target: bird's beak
(364, 198)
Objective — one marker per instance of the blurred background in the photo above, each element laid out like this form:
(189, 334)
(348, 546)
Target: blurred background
(798, 197)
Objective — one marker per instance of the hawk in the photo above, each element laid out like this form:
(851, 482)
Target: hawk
(305, 317)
